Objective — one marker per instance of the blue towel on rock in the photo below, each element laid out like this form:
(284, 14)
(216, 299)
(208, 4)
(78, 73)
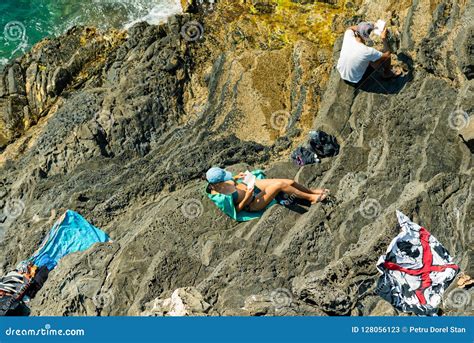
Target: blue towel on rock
(71, 233)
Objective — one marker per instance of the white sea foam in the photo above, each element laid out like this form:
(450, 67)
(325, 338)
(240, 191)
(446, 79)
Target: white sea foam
(3, 61)
(103, 14)
(160, 13)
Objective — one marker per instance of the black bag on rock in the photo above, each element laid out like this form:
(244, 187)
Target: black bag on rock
(322, 144)
(303, 156)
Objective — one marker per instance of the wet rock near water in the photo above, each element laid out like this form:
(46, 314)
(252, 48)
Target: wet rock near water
(121, 126)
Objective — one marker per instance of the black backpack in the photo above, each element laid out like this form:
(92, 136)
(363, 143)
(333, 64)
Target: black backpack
(15, 285)
(12, 287)
(322, 144)
(303, 156)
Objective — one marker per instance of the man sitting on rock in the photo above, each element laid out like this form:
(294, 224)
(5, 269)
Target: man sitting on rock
(356, 56)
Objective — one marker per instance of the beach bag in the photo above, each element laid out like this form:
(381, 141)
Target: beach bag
(322, 144)
(13, 287)
(303, 156)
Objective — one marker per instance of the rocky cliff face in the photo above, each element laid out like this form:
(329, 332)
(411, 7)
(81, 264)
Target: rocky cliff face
(120, 126)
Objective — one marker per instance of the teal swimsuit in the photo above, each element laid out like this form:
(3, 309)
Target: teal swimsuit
(235, 197)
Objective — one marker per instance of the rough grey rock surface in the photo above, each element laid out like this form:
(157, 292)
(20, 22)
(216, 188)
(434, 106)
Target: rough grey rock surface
(124, 137)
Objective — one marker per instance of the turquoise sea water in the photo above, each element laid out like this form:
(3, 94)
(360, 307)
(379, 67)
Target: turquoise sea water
(25, 22)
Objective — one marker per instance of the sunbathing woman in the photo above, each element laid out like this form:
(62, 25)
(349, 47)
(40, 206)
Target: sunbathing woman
(265, 190)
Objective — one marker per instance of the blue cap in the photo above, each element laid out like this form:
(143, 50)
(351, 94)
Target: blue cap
(216, 175)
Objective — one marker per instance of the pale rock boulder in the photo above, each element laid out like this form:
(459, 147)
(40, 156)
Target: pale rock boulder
(185, 301)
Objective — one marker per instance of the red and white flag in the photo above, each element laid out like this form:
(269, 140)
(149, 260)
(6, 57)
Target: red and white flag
(416, 270)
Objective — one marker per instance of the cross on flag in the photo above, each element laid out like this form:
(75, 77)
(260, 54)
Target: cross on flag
(416, 270)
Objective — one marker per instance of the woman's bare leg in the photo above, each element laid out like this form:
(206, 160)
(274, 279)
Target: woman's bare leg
(317, 191)
(320, 191)
(262, 184)
(300, 187)
(272, 190)
(293, 191)
(263, 199)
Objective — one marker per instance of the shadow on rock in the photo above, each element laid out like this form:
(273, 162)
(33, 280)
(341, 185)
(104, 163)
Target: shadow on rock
(373, 82)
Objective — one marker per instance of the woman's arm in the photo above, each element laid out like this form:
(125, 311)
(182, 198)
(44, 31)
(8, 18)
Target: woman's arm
(239, 176)
(245, 201)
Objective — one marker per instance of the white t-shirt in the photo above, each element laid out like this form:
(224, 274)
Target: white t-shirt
(355, 58)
